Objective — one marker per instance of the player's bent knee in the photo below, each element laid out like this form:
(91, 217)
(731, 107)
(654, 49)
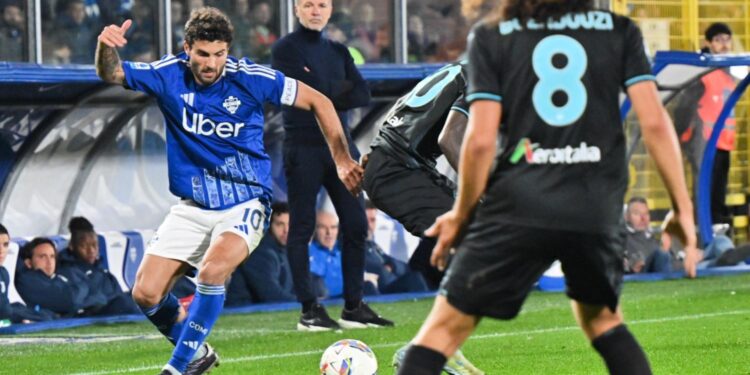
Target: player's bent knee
(595, 323)
(214, 273)
(145, 296)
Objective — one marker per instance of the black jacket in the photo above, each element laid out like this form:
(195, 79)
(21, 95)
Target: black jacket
(64, 296)
(18, 312)
(324, 65)
(264, 277)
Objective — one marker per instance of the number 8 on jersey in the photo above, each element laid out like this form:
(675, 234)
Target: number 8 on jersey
(553, 79)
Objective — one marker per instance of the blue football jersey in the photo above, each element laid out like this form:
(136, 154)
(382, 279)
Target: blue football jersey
(215, 150)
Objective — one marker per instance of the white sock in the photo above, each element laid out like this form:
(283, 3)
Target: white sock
(200, 353)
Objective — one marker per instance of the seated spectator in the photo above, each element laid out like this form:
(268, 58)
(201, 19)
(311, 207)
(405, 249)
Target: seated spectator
(178, 19)
(242, 22)
(15, 312)
(645, 253)
(261, 35)
(12, 32)
(41, 287)
(335, 32)
(393, 275)
(81, 261)
(720, 252)
(79, 31)
(363, 33)
(141, 35)
(265, 276)
(57, 51)
(325, 257)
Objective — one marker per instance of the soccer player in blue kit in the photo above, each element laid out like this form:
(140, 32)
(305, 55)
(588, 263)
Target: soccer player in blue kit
(213, 109)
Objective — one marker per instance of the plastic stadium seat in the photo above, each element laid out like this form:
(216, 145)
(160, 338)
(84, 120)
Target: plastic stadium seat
(133, 256)
(114, 246)
(61, 242)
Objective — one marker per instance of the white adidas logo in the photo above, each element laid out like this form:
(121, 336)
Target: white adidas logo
(191, 344)
(188, 98)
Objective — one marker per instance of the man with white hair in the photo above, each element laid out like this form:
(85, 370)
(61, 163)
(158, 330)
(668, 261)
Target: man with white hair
(327, 66)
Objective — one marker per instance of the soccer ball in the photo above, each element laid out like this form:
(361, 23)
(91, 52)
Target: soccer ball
(348, 357)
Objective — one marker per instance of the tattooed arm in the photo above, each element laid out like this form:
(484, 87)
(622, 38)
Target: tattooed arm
(108, 64)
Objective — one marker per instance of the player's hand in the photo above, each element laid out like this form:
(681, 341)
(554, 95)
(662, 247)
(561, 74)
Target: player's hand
(351, 174)
(114, 36)
(363, 160)
(682, 226)
(446, 229)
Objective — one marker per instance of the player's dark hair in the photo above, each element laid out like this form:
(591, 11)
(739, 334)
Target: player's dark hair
(540, 10)
(3, 230)
(209, 24)
(79, 227)
(717, 28)
(369, 204)
(27, 251)
(278, 208)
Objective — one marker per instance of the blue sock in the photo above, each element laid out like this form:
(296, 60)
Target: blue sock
(164, 317)
(203, 313)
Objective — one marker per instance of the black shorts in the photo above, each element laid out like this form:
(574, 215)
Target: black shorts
(497, 264)
(415, 197)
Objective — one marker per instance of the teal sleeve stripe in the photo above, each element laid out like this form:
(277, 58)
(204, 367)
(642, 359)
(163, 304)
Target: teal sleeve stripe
(485, 96)
(459, 109)
(643, 77)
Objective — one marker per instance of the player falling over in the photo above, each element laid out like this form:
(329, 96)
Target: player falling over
(213, 109)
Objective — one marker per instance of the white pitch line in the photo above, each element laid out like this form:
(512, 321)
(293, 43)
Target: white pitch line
(73, 339)
(394, 344)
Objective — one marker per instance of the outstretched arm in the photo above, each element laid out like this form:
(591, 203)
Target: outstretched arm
(661, 141)
(350, 173)
(108, 64)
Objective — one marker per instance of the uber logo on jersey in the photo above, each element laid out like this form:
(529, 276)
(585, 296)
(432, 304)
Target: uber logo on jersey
(231, 104)
(199, 124)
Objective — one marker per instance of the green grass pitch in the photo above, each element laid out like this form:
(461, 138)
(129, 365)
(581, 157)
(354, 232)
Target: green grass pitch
(686, 327)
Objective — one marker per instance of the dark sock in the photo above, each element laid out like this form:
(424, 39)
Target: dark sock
(164, 317)
(420, 360)
(307, 305)
(621, 352)
(351, 305)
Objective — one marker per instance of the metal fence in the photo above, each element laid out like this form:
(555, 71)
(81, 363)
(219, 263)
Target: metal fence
(679, 25)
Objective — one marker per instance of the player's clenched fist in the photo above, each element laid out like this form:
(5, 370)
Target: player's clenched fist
(114, 36)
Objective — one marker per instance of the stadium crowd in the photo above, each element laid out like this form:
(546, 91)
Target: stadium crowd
(436, 32)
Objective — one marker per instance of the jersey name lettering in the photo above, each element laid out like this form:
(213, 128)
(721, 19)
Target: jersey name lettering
(591, 20)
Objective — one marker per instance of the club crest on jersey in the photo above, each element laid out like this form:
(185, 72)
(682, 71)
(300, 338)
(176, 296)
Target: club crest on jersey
(231, 104)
